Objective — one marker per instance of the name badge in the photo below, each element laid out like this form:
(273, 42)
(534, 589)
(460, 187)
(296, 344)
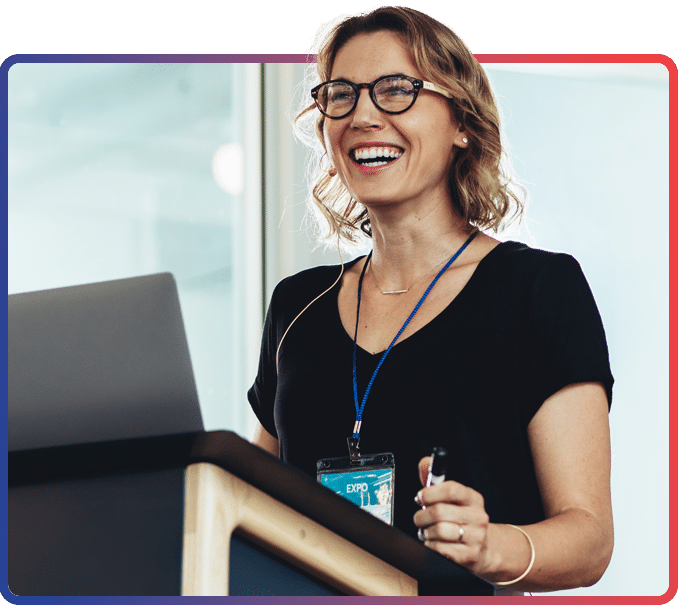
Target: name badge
(367, 481)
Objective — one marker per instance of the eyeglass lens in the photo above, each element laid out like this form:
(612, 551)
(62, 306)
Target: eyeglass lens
(392, 94)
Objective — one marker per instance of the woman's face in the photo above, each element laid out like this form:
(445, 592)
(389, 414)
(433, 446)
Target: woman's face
(420, 141)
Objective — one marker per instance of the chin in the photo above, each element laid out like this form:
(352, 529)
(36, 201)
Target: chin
(375, 200)
(376, 195)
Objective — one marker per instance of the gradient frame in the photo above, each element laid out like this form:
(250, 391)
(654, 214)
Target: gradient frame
(461, 600)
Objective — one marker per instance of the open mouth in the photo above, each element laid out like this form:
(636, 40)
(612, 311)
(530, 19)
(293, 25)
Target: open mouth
(375, 156)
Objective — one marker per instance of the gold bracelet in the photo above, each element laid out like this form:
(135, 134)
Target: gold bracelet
(529, 567)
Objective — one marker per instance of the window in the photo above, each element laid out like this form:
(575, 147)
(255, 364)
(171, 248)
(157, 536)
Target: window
(118, 170)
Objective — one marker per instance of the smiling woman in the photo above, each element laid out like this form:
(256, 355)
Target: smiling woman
(495, 351)
(426, 135)
(481, 191)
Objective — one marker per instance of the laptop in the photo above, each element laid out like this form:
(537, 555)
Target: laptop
(97, 362)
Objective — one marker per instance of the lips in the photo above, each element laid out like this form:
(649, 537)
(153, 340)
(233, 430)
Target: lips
(375, 155)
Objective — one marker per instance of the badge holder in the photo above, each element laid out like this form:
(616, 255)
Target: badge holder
(365, 480)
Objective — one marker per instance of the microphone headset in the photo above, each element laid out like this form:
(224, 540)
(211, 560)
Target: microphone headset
(341, 272)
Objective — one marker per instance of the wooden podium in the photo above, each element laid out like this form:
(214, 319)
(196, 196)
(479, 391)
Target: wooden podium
(201, 514)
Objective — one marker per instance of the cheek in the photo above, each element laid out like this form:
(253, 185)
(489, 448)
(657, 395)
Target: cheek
(330, 147)
(437, 145)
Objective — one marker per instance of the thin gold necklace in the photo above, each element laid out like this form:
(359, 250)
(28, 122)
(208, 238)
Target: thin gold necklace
(403, 291)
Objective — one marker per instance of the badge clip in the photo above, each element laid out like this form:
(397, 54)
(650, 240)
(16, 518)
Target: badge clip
(354, 442)
(353, 449)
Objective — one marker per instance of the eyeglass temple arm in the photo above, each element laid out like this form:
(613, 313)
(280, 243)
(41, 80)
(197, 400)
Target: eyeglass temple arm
(434, 88)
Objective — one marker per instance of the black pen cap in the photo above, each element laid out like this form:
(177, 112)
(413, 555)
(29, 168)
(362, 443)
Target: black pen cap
(439, 463)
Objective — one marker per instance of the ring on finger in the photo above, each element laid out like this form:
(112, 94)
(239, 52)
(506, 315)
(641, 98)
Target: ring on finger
(461, 534)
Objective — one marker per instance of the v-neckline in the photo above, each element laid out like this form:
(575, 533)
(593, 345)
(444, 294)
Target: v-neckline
(433, 321)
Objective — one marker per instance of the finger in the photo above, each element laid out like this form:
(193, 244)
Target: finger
(441, 512)
(452, 513)
(450, 491)
(463, 554)
(424, 464)
(453, 533)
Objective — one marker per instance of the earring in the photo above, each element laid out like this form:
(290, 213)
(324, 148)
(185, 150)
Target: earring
(332, 172)
(464, 140)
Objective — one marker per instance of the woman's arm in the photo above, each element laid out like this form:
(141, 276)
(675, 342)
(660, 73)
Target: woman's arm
(570, 441)
(265, 440)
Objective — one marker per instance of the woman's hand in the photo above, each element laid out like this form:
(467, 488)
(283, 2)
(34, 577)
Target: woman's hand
(570, 442)
(453, 521)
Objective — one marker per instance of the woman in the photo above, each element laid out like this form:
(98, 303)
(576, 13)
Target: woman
(504, 361)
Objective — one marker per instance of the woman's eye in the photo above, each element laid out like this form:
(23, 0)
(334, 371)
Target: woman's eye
(396, 91)
(337, 96)
(395, 88)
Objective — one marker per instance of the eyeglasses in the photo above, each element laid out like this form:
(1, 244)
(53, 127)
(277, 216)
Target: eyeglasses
(392, 94)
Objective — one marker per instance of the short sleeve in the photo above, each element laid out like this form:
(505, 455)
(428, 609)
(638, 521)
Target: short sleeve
(261, 395)
(566, 337)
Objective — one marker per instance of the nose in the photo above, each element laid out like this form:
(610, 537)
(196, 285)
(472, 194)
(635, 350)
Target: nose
(366, 115)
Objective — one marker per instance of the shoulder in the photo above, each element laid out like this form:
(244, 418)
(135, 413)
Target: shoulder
(521, 261)
(309, 280)
(312, 276)
(294, 292)
(526, 276)
(521, 254)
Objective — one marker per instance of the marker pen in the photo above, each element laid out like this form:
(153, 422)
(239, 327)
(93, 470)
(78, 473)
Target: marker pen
(438, 467)
(436, 474)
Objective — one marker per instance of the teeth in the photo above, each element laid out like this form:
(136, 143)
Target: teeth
(374, 152)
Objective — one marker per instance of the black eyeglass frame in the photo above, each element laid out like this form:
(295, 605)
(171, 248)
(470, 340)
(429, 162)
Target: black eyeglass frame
(417, 83)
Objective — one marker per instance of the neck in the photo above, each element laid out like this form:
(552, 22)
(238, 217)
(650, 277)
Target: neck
(407, 246)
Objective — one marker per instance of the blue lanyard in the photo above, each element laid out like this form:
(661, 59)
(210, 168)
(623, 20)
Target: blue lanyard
(359, 409)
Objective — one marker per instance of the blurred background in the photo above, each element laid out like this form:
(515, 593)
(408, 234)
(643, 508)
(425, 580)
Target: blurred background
(117, 170)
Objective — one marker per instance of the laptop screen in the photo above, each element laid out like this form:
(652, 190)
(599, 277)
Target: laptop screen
(99, 362)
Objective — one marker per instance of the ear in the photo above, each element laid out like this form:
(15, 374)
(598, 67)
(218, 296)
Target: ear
(461, 140)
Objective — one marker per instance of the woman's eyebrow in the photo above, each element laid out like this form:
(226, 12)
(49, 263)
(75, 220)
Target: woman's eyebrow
(373, 80)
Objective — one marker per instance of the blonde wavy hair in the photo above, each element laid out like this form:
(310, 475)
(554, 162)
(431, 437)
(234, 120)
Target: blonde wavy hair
(482, 193)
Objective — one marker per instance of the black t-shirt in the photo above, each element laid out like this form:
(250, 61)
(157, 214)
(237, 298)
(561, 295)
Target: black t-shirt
(524, 326)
